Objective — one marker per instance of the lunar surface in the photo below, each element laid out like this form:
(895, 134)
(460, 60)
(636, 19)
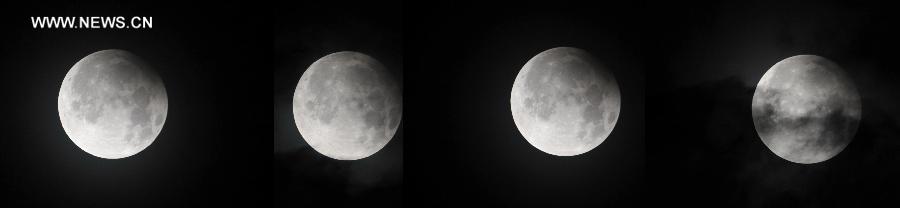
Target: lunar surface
(112, 104)
(347, 106)
(564, 102)
(806, 109)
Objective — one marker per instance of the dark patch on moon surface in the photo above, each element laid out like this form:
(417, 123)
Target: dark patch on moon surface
(347, 106)
(112, 104)
(564, 102)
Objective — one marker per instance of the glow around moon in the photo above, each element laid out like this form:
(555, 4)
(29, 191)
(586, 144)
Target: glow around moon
(347, 106)
(564, 102)
(112, 104)
(806, 109)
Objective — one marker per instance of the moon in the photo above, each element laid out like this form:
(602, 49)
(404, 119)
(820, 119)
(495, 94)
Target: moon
(564, 102)
(347, 106)
(806, 109)
(112, 104)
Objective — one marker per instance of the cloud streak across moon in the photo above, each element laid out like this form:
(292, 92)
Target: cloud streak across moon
(806, 109)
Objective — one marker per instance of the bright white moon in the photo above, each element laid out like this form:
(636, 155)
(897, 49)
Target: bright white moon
(347, 106)
(112, 104)
(564, 102)
(805, 109)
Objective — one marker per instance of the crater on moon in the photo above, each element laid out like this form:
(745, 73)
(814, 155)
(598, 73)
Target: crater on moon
(347, 106)
(564, 102)
(112, 104)
(806, 109)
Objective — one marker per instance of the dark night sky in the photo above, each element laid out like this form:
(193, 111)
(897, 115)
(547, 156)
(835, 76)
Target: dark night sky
(695, 65)
(213, 145)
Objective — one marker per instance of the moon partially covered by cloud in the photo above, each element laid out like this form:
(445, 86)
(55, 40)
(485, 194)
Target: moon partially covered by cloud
(806, 109)
(112, 104)
(347, 106)
(564, 102)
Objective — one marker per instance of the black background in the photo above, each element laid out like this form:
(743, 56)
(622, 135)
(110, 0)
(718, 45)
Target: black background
(695, 65)
(213, 147)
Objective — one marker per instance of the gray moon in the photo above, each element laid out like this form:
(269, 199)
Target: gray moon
(806, 109)
(564, 102)
(347, 106)
(112, 104)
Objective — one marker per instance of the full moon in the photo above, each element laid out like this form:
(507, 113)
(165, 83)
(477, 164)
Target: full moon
(564, 102)
(347, 106)
(112, 104)
(806, 109)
